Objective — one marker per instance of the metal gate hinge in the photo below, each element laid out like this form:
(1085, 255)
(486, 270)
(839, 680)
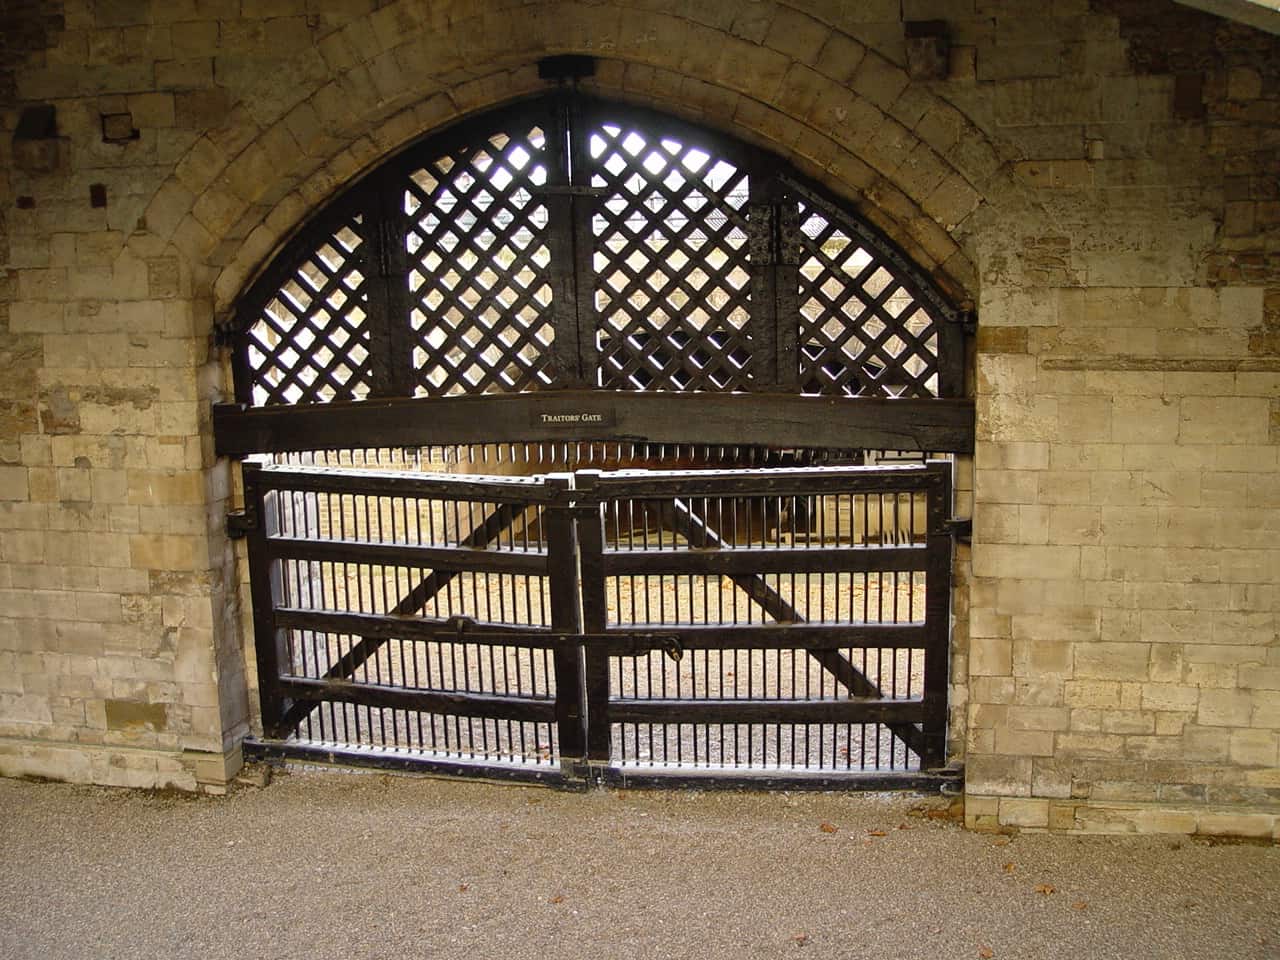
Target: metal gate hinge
(240, 523)
(961, 528)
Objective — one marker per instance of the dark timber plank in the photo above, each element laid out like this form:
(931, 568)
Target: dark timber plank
(761, 560)
(488, 705)
(750, 419)
(531, 563)
(817, 637)
(421, 629)
(764, 711)
(616, 641)
(389, 483)
(768, 481)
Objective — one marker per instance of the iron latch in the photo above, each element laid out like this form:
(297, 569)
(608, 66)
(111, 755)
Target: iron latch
(619, 644)
(240, 523)
(672, 647)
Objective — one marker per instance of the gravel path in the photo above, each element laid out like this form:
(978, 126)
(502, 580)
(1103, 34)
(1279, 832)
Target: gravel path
(324, 864)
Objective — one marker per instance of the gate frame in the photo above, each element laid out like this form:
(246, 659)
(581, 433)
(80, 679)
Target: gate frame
(582, 639)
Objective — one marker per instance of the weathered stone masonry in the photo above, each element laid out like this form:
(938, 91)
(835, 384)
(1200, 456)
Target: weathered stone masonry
(1098, 179)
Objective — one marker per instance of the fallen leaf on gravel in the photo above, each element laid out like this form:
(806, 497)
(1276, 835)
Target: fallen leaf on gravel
(1079, 905)
(986, 953)
(464, 887)
(1008, 868)
(904, 826)
(801, 939)
(1044, 888)
(876, 833)
(1000, 842)
(827, 827)
(556, 899)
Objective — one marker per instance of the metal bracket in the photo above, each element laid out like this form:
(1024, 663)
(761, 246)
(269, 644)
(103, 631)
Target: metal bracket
(960, 528)
(564, 190)
(240, 523)
(620, 644)
(566, 66)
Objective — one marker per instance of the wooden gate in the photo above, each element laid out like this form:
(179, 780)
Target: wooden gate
(785, 626)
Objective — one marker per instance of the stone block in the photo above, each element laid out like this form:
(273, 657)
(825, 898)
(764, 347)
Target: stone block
(1259, 825)
(1255, 748)
(1224, 420)
(999, 776)
(1022, 562)
(13, 483)
(1024, 743)
(981, 813)
(990, 656)
(1038, 718)
(1024, 813)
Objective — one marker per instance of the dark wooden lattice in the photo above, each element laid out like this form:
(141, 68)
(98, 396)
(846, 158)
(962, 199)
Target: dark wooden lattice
(568, 242)
(478, 271)
(672, 279)
(310, 341)
(862, 333)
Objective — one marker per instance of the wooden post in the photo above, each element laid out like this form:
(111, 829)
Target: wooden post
(265, 593)
(562, 566)
(937, 604)
(595, 617)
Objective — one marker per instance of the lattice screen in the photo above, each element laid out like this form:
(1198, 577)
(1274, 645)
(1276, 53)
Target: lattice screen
(309, 342)
(861, 332)
(534, 249)
(478, 271)
(672, 279)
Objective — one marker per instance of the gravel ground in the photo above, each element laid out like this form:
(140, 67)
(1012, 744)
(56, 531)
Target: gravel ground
(344, 865)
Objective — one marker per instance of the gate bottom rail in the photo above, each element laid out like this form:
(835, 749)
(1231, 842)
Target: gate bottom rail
(580, 775)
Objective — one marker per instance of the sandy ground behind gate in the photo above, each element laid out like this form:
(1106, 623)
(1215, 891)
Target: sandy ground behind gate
(324, 864)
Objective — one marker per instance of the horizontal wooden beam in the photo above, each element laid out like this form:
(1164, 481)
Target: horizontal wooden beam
(765, 711)
(527, 562)
(421, 629)
(512, 493)
(622, 641)
(488, 705)
(722, 484)
(583, 415)
(766, 560)
(821, 638)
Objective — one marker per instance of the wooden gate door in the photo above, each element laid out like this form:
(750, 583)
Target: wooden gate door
(803, 618)
(406, 620)
(784, 626)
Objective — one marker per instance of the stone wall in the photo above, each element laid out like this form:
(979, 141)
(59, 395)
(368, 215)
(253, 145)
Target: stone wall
(1099, 179)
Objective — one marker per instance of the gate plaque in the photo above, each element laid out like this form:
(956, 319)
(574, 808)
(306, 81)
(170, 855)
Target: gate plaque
(606, 417)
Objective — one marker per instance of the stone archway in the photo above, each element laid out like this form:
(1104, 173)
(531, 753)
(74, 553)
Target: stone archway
(911, 163)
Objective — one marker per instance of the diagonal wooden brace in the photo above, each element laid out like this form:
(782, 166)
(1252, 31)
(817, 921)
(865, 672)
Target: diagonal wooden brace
(493, 526)
(695, 529)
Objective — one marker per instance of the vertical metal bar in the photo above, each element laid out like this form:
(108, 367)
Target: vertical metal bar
(562, 566)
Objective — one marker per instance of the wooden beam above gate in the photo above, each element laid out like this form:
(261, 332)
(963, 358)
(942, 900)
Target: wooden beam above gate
(932, 425)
